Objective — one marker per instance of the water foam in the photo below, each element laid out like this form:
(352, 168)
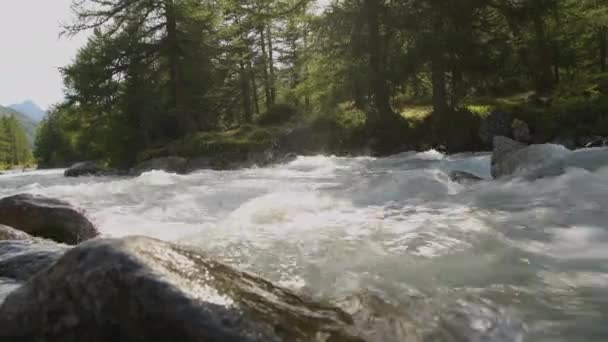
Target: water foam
(498, 250)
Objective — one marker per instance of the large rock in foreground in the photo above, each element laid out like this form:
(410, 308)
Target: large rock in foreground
(47, 218)
(21, 259)
(22, 256)
(139, 289)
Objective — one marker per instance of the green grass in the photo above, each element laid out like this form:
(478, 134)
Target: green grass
(238, 141)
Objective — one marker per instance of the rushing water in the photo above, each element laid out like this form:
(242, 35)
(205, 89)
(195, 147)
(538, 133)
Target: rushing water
(510, 260)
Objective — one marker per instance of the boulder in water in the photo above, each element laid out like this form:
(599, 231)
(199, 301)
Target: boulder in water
(463, 177)
(22, 256)
(21, 259)
(199, 163)
(168, 164)
(140, 289)
(88, 168)
(288, 158)
(592, 141)
(511, 156)
(47, 218)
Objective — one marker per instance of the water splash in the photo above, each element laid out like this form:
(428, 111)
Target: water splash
(498, 260)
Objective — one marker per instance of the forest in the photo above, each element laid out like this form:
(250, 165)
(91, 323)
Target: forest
(15, 149)
(194, 77)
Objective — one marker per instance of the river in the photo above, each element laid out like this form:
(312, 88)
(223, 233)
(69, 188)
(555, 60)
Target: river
(509, 260)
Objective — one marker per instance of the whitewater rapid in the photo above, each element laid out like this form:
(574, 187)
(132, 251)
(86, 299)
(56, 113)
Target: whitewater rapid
(508, 260)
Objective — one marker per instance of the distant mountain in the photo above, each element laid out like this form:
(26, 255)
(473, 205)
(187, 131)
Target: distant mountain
(31, 109)
(28, 124)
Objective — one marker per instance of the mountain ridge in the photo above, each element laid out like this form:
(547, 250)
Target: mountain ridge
(30, 109)
(28, 124)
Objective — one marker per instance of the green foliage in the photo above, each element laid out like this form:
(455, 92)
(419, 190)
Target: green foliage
(278, 114)
(26, 123)
(177, 76)
(14, 145)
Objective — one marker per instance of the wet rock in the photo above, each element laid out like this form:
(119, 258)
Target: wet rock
(510, 156)
(498, 123)
(168, 164)
(21, 259)
(6, 287)
(592, 141)
(521, 131)
(88, 168)
(200, 163)
(463, 177)
(288, 158)
(47, 218)
(378, 320)
(566, 141)
(502, 147)
(140, 289)
(264, 158)
(8, 233)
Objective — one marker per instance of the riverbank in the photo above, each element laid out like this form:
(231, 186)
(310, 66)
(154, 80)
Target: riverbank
(526, 117)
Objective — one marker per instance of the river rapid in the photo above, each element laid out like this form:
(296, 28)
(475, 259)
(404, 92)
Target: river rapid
(504, 260)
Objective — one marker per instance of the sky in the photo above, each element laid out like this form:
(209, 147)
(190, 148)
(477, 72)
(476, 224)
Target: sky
(31, 51)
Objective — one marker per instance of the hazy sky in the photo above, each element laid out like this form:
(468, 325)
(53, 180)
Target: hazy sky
(31, 50)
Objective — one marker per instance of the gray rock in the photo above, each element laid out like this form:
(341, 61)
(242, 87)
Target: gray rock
(168, 164)
(502, 147)
(463, 177)
(512, 157)
(140, 289)
(9, 233)
(21, 259)
(288, 158)
(88, 168)
(22, 256)
(6, 287)
(567, 142)
(378, 320)
(498, 123)
(47, 218)
(521, 131)
(592, 141)
(200, 163)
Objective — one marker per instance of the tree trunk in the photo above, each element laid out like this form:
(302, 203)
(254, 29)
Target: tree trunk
(185, 121)
(603, 46)
(440, 99)
(267, 90)
(458, 91)
(254, 89)
(245, 93)
(273, 95)
(379, 89)
(542, 66)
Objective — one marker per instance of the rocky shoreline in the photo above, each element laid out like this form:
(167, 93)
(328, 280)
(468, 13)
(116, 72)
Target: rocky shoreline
(289, 145)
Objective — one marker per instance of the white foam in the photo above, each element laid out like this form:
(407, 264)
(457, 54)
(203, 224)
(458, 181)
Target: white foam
(329, 224)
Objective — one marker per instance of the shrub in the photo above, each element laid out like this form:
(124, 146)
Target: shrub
(277, 114)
